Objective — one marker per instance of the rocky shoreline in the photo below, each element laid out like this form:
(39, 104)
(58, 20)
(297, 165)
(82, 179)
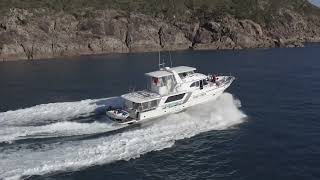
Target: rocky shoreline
(41, 33)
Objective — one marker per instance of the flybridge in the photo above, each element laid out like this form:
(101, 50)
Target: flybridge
(165, 72)
(166, 80)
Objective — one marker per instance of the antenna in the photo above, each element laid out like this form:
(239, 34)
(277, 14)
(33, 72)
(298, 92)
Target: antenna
(161, 64)
(170, 58)
(159, 55)
(132, 89)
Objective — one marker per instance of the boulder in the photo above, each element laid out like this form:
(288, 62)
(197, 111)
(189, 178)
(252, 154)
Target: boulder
(245, 41)
(190, 30)
(143, 38)
(116, 28)
(251, 27)
(12, 50)
(172, 38)
(108, 45)
(279, 42)
(226, 43)
(203, 36)
(212, 26)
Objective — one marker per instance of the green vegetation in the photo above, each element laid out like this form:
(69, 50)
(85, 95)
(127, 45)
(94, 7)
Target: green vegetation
(258, 10)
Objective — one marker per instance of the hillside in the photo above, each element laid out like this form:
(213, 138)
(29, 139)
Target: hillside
(33, 29)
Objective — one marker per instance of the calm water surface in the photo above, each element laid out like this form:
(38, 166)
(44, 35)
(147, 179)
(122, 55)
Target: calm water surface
(52, 124)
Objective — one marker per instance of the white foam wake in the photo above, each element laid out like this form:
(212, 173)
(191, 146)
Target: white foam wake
(51, 120)
(58, 129)
(53, 112)
(220, 114)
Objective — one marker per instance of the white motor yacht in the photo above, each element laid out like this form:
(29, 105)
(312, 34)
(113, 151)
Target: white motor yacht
(170, 90)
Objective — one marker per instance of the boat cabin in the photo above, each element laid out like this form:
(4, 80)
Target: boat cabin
(165, 80)
(160, 83)
(141, 100)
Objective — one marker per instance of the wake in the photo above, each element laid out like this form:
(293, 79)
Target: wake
(218, 115)
(60, 129)
(55, 120)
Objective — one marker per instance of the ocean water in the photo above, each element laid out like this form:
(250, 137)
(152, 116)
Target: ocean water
(267, 124)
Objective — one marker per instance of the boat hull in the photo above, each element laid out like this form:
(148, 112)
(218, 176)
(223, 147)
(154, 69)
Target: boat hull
(195, 99)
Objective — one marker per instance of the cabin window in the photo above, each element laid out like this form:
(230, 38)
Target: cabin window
(156, 81)
(205, 82)
(164, 80)
(195, 84)
(145, 105)
(135, 105)
(185, 74)
(154, 103)
(182, 75)
(161, 81)
(175, 98)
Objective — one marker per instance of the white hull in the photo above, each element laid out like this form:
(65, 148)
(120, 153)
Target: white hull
(198, 97)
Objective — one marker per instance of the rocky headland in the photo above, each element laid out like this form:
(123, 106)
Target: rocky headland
(40, 33)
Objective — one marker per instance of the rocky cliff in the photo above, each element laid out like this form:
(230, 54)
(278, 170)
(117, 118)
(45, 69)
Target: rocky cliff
(43, 33)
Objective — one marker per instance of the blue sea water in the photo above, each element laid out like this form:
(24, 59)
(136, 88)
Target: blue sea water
(267, 125)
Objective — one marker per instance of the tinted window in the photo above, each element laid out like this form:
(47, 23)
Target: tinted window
(154, 103)
(205, 82)
(145, 105)
(195, 84)
(175, 98)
